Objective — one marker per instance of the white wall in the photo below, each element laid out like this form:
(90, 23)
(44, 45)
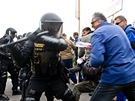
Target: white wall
(128, 10)
(88, 7)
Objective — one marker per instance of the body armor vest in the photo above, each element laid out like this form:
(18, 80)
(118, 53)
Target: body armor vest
(44, 63)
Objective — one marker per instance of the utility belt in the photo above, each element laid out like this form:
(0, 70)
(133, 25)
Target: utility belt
(50, 70)
(46, 69)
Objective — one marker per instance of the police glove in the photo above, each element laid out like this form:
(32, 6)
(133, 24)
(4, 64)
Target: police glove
(33, 36)
(74, 69)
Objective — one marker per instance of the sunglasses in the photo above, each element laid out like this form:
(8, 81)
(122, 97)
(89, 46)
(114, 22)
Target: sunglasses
(93, 21)
(117, 23)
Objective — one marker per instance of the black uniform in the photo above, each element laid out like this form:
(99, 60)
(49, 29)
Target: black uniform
(47, 69)
(7, 65)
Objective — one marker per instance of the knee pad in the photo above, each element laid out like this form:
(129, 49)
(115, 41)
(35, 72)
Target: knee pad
(68, 96)
(30, 99)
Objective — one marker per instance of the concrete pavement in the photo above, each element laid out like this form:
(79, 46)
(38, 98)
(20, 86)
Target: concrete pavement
(8, 92)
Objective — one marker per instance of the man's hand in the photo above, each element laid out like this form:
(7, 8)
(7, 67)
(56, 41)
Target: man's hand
(80, 62)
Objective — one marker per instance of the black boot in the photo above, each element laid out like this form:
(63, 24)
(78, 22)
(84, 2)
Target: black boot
(4, 97)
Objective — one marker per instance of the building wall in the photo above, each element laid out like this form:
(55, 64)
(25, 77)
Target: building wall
(88, 7)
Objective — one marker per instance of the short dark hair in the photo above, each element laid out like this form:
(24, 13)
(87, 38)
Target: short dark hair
(121, 17)
(75, 33)
(63, 34)
(86, 29)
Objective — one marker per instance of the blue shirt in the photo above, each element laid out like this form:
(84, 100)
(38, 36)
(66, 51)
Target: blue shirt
(112, 51)
(130, 33)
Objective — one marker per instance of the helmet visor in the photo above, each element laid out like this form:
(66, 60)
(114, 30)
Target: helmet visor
(54, 28)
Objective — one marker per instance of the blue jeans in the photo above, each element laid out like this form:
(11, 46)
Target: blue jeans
(121, 97)
(106, 92)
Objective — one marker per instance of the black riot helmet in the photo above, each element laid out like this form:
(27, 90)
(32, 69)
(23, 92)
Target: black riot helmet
(52, 23)
(10, 31)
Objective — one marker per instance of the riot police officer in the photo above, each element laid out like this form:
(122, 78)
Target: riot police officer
(43, 52)
(7, 65)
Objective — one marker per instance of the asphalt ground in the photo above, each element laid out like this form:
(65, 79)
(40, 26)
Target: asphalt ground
(8, 92)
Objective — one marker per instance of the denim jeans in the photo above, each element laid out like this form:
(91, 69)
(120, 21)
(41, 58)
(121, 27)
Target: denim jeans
(121, 97)
(106, 92)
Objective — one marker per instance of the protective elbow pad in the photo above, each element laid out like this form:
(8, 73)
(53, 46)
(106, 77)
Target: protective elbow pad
(62, 44)
(30, 99)
(54, 44)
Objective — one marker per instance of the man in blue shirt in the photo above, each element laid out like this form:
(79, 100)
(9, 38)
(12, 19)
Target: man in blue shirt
(112, 51)
(130, 32)
(128, 28)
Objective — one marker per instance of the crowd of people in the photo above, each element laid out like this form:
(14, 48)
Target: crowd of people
(45, 61)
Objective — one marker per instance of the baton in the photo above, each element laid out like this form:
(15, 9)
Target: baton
(23, 39)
